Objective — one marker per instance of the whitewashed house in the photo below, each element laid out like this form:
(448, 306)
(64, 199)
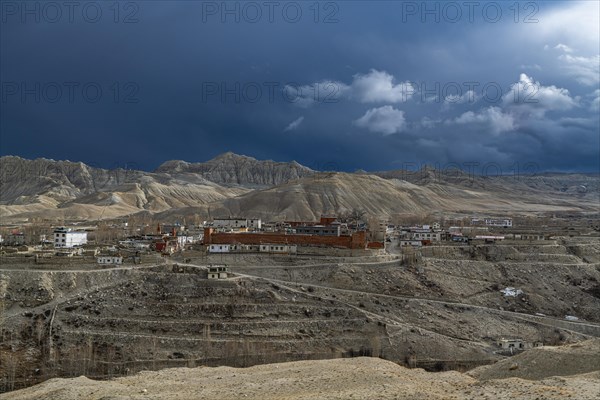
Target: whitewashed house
(237, 223)
(219, 248)
(426, 234)
(230, 223)
(278, 248)
(503, 222)
(413, 243)
(111, 260)
(217, 272)
(67, 238)
(255, 223)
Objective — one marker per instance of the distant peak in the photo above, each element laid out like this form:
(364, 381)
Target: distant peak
(231, 155)
(175, 165)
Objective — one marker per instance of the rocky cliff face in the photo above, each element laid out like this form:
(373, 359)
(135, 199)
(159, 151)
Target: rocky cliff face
(233, 169)
(64, 189)
(23, 180)
(231, 184)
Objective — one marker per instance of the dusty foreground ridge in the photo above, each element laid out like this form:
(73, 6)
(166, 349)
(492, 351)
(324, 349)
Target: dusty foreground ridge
(544, 362)
(350, 378)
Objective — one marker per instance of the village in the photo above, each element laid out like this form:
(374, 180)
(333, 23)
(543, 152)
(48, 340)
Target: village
(125, 242)
(428, 292)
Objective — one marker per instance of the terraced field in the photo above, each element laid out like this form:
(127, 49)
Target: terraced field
(445, 311)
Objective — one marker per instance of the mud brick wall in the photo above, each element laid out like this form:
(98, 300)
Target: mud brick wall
(356, 241)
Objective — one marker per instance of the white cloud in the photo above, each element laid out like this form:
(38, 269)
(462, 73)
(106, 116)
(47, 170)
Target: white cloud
(530, 97)
(570, 22)
(379, 86)
(294, 124)
(526, 100)
(373, 87)
(563, 47)
(493, 117)
(585, 70)
(386, 120)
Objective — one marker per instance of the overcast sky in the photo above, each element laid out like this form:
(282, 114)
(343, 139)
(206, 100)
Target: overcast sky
(340, 85)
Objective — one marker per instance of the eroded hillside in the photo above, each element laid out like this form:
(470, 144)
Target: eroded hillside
(436, 312)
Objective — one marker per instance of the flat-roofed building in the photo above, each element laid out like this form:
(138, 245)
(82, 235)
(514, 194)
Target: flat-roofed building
(278, 248)
(219, 248)
(218, 272)
(238, 223)
(68, 238)
(114, 260)
(426, 234)
(321, 230)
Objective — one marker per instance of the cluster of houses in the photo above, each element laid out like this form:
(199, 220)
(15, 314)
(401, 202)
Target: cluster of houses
(252, 235)
(237, 224)
(253, 248)
(69, 242)
(496, 222)
(167, 239)
(235, 235)
(481, 230)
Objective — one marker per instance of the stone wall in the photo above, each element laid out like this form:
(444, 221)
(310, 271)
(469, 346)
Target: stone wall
(356, 241)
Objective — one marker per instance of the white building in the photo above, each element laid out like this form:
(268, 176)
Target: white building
(183, 240)
(233, 223)
(67, 238)
(413, 243)
(237, 223)
(217, 272)
(244, 248)
(255, 223)
(116, 260)
(510, 344)
(218, 248)
(525, 236)
(503, 222)
(426, 234)
(278, 248)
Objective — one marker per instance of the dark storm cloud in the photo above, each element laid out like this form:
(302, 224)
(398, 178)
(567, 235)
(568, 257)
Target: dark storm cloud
(190, 79)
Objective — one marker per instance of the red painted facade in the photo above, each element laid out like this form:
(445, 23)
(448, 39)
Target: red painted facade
(357, 240)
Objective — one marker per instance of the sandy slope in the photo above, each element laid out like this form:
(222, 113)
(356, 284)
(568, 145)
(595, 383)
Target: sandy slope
(357, 378)
(544, 362)
(337, 193)
(237, 185)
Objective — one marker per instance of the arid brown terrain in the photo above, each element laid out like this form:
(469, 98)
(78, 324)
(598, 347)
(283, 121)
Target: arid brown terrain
(356, 378)
(443, 307)
(444, 311)
(231, 184)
